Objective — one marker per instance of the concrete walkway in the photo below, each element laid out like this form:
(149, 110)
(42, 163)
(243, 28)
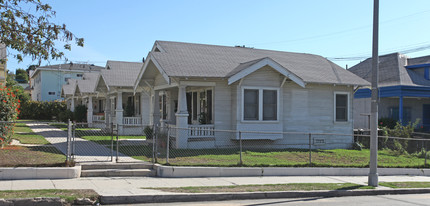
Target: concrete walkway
(84, 150)
(132, 186)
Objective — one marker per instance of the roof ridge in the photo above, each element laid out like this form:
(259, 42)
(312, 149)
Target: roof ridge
(235, 47)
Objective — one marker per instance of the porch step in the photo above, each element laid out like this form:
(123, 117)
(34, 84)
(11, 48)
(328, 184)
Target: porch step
(117, 170)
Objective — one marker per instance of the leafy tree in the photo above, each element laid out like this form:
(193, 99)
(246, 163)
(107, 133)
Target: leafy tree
(21, 76)
(19, 91)
(26, 26)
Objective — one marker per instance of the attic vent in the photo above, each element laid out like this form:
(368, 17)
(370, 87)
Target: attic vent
(243, 46)
(319, 141)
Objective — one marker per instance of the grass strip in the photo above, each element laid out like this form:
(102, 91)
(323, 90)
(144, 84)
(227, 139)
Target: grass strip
(267, 188)
(405, 184)
(35, 156)
(68, 195)
(25, 135)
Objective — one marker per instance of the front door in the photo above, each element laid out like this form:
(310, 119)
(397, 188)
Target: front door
(426, 116)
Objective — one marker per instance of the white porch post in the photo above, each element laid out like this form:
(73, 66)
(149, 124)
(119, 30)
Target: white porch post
(72, 104)
(107, 112)
(182, 119)
(156, 111)
(119, 112)
(144, 108)
(90, 111)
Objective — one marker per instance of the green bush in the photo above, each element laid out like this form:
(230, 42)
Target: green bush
(65, 116)
(148, 132)
(9, 110)
(399, 145)
(80, 113)
(389, 123)
(42, 110)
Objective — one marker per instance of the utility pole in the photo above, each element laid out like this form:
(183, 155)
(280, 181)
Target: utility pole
(373, 172)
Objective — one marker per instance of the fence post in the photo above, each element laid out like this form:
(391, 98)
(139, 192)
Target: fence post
(310, 150)
(69, 136)
(153, 143)
(425, 156)
(117, 142)
(240, 148)
(111, 143)
(156, 143)
(168, 145)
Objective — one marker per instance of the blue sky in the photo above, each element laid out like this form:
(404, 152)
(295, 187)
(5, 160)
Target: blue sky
(126, 30)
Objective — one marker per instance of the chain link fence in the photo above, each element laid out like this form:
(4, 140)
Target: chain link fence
(53, 143)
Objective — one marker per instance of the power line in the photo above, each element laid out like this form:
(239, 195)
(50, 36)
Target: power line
(404, 51)
(340, 32)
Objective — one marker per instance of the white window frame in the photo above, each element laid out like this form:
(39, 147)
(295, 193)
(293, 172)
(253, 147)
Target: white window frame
(348, 106)
(260, 104)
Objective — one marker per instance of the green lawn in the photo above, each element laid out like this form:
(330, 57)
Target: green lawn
(406, 184)
(25, 135)
(278, 158)
(36, 156)
(105, 140)
(267, 188)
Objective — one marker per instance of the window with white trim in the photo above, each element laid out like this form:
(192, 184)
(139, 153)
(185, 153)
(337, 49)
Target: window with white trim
(341, 107)
(260, 104)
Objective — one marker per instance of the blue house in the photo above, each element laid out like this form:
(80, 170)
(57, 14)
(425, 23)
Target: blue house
(47, 81)
(404, 90)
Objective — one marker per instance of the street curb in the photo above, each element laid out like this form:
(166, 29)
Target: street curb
(189, 197)
(20, 173)
(184, 171)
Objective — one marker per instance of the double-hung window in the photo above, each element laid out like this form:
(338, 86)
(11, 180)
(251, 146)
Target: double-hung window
(341, 107)
(260, 104)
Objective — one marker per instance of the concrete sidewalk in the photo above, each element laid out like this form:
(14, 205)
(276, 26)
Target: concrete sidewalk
(84, 150)
(131, 186)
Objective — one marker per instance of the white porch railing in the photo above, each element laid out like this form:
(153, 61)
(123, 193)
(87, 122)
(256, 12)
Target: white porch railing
(132, 121)
(205, 130)
(98, 118)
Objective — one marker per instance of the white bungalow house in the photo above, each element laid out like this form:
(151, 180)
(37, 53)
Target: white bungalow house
(207, 88)
(68, 93)
(122, 106)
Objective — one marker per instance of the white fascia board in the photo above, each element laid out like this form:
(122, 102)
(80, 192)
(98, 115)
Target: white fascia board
(160, 69)
(166, 86)
(197, 83)
(262, 63)
(142, 70)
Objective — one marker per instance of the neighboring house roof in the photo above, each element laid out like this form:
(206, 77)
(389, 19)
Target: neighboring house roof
(121, 74)
(69, 88)
(70, 67)
(179, 59)
(393, 71)
(88, 82)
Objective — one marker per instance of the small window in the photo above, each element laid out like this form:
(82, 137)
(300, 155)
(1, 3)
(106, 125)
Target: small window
(250, 106)
(66, 79)
(341, 107)
(51, 93)
(260, 104)
(79, 75)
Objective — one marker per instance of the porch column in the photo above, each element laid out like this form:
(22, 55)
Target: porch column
(90, 111)
(156, 111)
(144, 108)
(119, 112)
(72, 104)
(401, 109)
(107, 112)
(182, 119)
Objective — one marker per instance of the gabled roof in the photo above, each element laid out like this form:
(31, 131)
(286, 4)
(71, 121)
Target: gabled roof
(393, 71)
(88, 82)
(121, 74)
(68, 67)
(69, 88)
(179, 59)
